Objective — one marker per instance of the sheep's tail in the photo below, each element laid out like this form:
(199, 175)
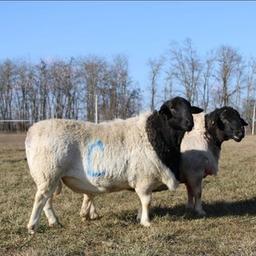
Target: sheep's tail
(58, 189)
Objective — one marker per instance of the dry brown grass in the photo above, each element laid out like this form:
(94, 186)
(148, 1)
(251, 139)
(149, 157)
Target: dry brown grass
(229, 199)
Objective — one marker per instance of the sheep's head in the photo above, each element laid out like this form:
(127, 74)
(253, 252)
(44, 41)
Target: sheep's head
(178, 112)
(226, 123)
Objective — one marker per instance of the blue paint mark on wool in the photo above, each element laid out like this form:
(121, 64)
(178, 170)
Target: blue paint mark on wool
(94, 147)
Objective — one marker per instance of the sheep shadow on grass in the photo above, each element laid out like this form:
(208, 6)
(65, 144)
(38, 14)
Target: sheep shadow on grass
(213, 210)
(235, 208)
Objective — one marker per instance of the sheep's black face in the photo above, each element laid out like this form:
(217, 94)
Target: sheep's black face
(179, 112)
(231, 124)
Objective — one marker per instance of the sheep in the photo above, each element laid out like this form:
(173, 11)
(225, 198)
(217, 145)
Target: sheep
(200, 152)
(137, 153)
(201, 149)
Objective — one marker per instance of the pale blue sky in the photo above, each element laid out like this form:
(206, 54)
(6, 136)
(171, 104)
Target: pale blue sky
(139, 30)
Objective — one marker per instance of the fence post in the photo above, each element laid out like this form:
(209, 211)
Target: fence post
(96, 109)
(253, 117)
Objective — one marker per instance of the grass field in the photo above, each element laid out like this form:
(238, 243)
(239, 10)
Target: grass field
(229, 199)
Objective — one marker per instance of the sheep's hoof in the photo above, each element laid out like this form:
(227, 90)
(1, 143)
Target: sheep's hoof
(145, 224)
(201, 213)
(189, 207)
(94, 216)
(91, 216)
(55, 224)
(31, 230)
(85, 218)
(85, 215)
(138, 218)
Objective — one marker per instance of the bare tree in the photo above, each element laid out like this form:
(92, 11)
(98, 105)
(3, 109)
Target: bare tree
(239, 85)
(207, 75)
(23, 87)
(43, 86)
(249, 101)
(168, 86)
(121, 83)
(155, 66)
(7, 84)
(93, 71)
(33, 96)
(228, 59)
(186, 68)
(63, 88)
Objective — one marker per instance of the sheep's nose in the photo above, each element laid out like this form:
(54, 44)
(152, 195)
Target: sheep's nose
(240, 134)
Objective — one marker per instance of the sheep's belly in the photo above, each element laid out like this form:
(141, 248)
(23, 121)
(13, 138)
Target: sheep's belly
(85, 186)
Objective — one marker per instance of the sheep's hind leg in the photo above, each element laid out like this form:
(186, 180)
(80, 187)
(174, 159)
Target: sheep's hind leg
(50, 214)
(44, 192)
(139, 214)
(145, 198)
(88, 210)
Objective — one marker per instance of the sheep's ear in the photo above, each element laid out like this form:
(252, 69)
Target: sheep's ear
(220, 124)
(213, 120)
(165, 110)
(243, 122)
(196, 110)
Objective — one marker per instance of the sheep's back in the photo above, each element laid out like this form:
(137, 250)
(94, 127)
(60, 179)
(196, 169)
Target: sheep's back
(195, 139)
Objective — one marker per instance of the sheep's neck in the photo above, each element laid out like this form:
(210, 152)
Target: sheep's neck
(212, 132)
(165, 141)
(213, 147)
(214, 138)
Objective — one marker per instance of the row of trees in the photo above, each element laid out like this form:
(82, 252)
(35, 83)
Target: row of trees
(67, 89)
(222, 77)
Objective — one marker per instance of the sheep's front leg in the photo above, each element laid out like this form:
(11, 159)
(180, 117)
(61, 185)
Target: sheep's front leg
(194, 191)
(88, 210)
(190, 203)
(198, 200)
(145, 198)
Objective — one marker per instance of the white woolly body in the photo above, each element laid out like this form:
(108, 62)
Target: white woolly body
(197, 149)
(94, 158)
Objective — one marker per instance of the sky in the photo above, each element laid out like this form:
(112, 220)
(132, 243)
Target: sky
(138, 30)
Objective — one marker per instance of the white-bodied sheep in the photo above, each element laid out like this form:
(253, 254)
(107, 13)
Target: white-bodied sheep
(106, 157)
(200, 151)
(202, 146)
(200, 157)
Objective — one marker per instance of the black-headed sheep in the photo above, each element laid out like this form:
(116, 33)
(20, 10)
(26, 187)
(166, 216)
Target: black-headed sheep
(200, 152)
(201, 149)
(139, 153)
